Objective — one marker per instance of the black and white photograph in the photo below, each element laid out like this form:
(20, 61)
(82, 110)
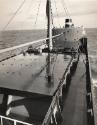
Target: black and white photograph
(48, 62)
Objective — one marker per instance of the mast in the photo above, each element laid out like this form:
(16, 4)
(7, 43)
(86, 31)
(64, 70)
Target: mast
(49, 35)
(49, 25)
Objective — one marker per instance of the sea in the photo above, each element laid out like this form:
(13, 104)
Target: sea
(16, 37)
(92, 49)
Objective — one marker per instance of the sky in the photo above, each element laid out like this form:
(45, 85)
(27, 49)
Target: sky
(82, 12)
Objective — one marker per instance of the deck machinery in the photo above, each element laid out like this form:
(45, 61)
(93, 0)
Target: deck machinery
(35, 77)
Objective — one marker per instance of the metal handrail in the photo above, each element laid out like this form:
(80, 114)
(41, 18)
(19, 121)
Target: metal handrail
(27, 44)
(50, 110)
(13, 120)
(16, 50)
(55, 97)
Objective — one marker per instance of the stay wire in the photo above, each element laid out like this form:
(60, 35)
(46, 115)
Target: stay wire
(57, 11)
(13, 16)
(65, 6)
(65, 11)
(69, 9)
(37, 13)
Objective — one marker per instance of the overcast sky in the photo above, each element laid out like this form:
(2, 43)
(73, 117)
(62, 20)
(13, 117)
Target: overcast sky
(83, 12)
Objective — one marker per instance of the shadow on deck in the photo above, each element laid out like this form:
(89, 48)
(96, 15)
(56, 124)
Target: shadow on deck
(75, 108)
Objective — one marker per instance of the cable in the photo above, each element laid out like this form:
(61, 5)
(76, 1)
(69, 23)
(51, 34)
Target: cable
(37, 13)
(10, 20)
(65, 8)
(69, 9)
(56, 11)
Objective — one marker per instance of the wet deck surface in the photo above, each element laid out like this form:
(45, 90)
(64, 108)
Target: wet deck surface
(74, 111)
(29, 73)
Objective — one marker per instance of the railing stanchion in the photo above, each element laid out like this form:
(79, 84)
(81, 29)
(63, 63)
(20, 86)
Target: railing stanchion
(15, 123)
(1, 121)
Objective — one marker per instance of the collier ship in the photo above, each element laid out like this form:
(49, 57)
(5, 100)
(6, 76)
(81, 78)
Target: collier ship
(42, 82)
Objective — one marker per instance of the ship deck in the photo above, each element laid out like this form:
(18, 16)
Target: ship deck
(28, 74)
(75, 110)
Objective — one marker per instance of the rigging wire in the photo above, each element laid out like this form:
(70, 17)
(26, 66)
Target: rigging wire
(69, 6)
(45, 20)
(65, 8)
(37, 13)
(57, 11)
(13, 16)
(65, 11)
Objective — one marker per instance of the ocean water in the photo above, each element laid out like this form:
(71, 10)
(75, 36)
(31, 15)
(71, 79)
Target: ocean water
(16, 37)
(12, 38)
(92, 47)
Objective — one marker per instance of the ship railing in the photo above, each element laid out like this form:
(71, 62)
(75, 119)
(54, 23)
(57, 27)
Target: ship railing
(14, 121)
(16, 50)
(50, 112)
(89, 94)
(56, 97)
